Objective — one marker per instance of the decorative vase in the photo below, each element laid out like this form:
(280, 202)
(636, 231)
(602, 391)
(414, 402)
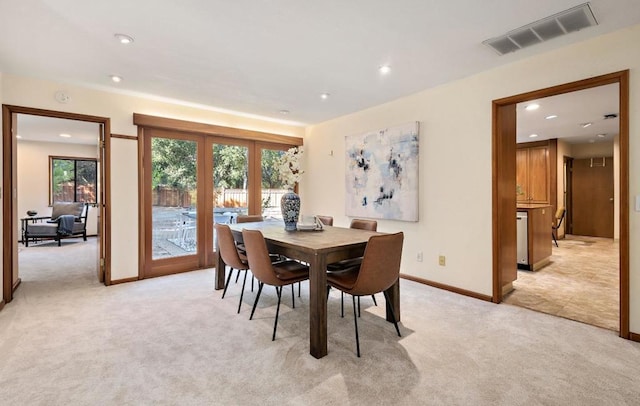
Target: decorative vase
(290, 206)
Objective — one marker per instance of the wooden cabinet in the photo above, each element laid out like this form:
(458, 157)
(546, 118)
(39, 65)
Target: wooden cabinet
(538, 236)
(532, 174)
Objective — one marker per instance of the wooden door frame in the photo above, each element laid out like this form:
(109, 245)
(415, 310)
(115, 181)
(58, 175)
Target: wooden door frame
(9, 183)
(503, 182)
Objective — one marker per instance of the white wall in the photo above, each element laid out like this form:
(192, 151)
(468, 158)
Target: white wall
(564, 149)
(33, 176)
(28, 92)
(455, 159)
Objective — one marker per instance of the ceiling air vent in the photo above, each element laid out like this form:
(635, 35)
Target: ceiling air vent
(573, 19)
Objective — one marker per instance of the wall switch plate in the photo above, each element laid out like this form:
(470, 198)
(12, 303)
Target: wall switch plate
(419, 257)
(637, 202)
(442, 260)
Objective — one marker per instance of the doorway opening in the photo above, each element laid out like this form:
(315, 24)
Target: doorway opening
(32, 160)
(504, 184)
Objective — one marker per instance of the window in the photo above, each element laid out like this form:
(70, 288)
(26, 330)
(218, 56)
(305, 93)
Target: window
(73, 179)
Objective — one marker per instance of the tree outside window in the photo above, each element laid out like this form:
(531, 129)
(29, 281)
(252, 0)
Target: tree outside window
(73, 179)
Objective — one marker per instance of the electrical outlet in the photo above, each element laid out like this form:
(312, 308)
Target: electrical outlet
(419, 257)
(442, 260)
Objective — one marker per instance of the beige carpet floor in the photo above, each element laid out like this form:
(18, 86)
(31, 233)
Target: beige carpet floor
(581, 283)
(67, 340)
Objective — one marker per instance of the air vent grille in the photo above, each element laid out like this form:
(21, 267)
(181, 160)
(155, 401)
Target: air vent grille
(573, 19)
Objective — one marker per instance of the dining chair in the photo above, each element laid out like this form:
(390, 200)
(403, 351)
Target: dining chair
(277, 274)
(326, 220)
(249, 218)
(557, 221)
(378, 271)
(232, 257)
(361, 224)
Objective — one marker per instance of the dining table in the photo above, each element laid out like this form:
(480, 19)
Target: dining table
(316, 248)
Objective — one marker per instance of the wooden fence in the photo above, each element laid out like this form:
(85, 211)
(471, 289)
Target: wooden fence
(174, 197)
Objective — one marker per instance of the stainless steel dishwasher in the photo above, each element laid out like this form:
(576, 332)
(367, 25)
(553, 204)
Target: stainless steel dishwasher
(521, 238)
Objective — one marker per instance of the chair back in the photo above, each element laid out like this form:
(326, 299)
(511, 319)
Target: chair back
(227, 247)
(326, 220)
(249, 218)
(370, 225)
(258, 256)
(380, 265)
(68, 208)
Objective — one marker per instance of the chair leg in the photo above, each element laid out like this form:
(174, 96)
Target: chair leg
(299, 284)
(355, 322)
(275, 324)
(260, 285)
(242, 293)
(341, 304)
(226, 284)
(237, 276)
(293, 296)
(393, 315)
(553, 235)
(374, 299)
(359, 314)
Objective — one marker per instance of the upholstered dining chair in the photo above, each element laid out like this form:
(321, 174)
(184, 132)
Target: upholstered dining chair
(326, 220)
(232, 257)
(378, 271)
(362, 224)
(277, 274)
(249, 218)
(557, 221)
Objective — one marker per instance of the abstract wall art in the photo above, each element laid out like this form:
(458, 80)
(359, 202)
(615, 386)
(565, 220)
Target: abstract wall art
(382, 173)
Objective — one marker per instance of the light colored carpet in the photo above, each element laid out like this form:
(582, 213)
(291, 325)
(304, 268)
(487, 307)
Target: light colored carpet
(67, 340)
(581, 283)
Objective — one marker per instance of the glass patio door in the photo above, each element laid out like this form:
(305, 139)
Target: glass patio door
(174, 203)
(230, 173)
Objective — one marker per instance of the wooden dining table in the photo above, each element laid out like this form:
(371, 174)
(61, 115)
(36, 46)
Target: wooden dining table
(317, 248)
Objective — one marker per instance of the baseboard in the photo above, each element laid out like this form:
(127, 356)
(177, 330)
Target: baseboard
(125, 280)
(634, 337)
(1, 305)
(16, 284)
(449, 288)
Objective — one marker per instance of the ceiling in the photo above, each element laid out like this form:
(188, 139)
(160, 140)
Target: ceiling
(573, 110)
(48, 129)
(259, 57)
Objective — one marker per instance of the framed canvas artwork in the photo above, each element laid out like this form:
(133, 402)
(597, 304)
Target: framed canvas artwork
(382, 173)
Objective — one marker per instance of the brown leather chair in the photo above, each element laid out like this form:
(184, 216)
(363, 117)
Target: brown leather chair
(326, 220)
(362, 224)
(231, 257)
(557, 221)
(277, 274)
(379, 270)
(249, 218)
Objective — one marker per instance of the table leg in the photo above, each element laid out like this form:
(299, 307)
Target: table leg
(318, 306)
(394, 297)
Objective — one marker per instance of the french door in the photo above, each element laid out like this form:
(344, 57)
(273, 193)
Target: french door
(190, 182)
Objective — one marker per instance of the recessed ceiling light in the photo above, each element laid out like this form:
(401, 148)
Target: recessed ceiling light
(324, 96)
(123, 38)
(64, 135)
(532, 106)
(116, 78)
(384, 69)
(284, 112)
(551, 117)
(585, 125)
(533, 135)
(601, 135)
